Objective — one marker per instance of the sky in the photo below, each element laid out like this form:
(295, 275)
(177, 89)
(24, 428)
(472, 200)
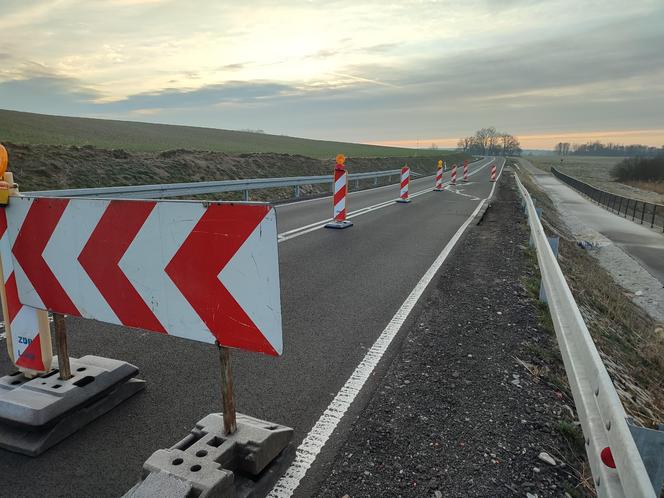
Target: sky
(410, 73)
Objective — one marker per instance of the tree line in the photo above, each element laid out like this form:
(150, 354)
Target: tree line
(649, 169)
(610, 149)
(489, 142)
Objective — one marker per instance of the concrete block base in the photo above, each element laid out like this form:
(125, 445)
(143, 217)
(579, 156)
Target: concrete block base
(339, 224)
(214, 465)
(36, 414)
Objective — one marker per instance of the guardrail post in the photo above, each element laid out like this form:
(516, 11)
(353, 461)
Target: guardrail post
(650, 443)
(245, 195)
(357, 184)
(643, 212)
(296, 190)
(634, 211)
(375, 181)
(553, 242)
(652, 221)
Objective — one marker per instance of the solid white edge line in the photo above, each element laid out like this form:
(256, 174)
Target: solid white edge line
(296, 232)
(318, 436)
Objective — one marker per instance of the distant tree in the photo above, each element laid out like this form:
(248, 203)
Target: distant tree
(488, 141)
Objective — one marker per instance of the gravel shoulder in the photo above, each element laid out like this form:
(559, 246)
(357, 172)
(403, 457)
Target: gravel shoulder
(471, 401)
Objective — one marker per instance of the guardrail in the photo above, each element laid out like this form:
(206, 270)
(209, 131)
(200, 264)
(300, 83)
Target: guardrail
(600, 411)
(639, 211)
(213, 187)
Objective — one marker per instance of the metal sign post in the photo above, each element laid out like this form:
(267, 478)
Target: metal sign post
(61, 345)
(227, 394)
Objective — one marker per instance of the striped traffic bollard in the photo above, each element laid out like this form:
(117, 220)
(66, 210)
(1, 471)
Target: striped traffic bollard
(439, 178)
(339, 197)
(493, 172)
(454, 167)
(465, 170)
(405, 182)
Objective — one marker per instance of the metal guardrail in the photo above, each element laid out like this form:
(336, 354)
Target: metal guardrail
(213, 187)
(639, 211)
(600, 411)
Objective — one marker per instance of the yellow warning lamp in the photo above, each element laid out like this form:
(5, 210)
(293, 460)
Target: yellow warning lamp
(440, 163)
(341, 159)
(4, 186)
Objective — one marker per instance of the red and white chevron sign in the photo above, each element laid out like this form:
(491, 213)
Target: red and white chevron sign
(190, 269)
(23, 321)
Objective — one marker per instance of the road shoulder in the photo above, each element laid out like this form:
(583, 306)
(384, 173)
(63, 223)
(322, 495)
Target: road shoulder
(463, 409)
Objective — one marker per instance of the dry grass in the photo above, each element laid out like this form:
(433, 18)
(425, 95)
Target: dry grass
(597, 171)
(651, 186)
(630, 342)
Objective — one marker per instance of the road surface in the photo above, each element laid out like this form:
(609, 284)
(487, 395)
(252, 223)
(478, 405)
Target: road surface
(340, 288)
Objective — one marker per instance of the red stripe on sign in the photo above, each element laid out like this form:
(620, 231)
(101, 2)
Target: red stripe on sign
(109, 241)
(35, 232)
(13, 304)
(3, 222)
(32, 357)
(194, 269)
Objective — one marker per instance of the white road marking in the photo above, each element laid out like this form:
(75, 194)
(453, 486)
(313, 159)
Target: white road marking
(296, 232)
(318, 436)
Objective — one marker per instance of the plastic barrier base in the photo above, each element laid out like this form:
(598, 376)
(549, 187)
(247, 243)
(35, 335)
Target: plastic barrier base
(38, 413)
(441, 189)
(403, 201)
(210, 464)
(339, 224)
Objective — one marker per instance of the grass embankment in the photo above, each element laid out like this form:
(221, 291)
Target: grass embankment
(28, 128)
(630, 343)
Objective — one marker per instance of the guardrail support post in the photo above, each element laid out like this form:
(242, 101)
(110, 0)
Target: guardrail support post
(61, 345)
(227, 394)
(375, 181)
(245, 195)
(634, 211)
(357, 184)
(654, 210)
(553, 242)
(296, 191)
(650, 444)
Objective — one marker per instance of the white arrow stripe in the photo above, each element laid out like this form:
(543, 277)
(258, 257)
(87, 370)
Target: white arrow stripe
(252, 278)
(6, 256)
(19, 210)
(339, 206)
(162, 234)
(72, 232)
(339, 184)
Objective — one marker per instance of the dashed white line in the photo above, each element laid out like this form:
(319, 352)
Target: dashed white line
(314, 442)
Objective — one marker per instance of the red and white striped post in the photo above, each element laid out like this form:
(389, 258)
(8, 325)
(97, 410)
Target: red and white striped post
(465, 170)
(493, 172)
(339, 197)
(439, 177)
(454, 168)
(405, 182)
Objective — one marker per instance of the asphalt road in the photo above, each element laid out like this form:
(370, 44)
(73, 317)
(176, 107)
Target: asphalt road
(339, 290)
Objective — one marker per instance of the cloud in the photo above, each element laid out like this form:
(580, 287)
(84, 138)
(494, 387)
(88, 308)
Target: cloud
(403, 73)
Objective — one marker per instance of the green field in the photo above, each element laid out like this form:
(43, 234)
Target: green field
(28, 128)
